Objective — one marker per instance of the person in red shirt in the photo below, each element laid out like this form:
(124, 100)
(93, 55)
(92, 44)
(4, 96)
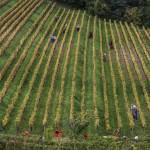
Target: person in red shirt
(112, 47)
(91, 35)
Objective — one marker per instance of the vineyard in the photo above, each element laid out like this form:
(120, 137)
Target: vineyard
(69, 76)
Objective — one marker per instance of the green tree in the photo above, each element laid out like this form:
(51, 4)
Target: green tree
(133, 15)
(101, 9)
(146, 14)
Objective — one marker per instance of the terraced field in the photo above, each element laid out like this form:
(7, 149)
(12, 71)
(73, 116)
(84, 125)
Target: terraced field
(69, 76)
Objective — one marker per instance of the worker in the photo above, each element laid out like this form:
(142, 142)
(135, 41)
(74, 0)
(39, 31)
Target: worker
(111, 45)
(52, 38)
(104, 57)
(65, 28)
(78, 27)
(134, 110)
(91, 35)
(57, 17)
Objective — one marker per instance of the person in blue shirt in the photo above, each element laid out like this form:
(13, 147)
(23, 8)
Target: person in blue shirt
(65, 28)
(57, 17)
(134, 110)
(52, 38)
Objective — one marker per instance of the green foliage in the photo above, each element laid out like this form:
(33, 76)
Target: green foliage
(49, 133)
(80, 125)
(91, 143)
(101, 9)
(146, 14)
(114, 9)
(133, 15)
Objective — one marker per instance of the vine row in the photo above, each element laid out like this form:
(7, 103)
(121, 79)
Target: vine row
(94, 78)
(103, 76)
(84, 70)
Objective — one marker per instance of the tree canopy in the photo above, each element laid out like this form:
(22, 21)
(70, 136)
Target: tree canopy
(115, 9)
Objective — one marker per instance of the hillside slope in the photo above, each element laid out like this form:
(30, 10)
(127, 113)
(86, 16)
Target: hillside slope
(69, 76)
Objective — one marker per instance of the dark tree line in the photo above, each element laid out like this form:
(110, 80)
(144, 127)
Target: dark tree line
(116, 9)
